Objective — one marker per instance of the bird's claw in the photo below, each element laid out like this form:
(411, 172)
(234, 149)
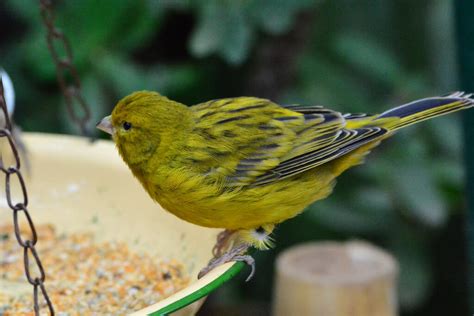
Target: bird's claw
(250, 261)
(234, 254)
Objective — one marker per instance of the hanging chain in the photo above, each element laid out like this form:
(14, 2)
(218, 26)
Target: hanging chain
(70, 84)
(27, 242)
(66, 72)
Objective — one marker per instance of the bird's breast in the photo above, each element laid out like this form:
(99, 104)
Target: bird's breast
(197, 201)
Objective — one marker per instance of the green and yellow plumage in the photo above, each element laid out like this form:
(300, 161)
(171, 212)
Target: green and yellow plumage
(243, 163)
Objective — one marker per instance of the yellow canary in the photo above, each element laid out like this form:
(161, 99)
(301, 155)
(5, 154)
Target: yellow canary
(246, 164)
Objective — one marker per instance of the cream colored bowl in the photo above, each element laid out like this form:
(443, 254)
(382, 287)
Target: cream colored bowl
(81, 186)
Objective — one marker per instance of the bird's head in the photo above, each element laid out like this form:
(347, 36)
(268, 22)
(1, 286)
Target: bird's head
(143, 123)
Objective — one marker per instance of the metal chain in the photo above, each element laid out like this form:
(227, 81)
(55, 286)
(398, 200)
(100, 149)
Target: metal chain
(70, 85)
(66, 72)
(27, 242)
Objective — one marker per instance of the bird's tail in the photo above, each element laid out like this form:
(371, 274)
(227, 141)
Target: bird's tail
(421, 110)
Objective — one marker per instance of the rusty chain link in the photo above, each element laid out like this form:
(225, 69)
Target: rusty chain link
(27, 242)
(70, 84)
(66, 72)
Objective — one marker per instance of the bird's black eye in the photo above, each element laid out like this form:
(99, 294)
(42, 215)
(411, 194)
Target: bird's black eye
(127, 125)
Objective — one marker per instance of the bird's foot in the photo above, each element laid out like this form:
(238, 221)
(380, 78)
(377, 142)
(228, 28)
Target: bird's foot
(250, 261)
(222, 243)
(235, 254)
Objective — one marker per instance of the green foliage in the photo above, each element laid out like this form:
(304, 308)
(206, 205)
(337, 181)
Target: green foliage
(228, 28)
(354, 58)
(223, 29)
(368, 57)
(416, 277)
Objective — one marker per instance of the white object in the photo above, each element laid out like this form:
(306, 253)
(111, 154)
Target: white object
(8, 91)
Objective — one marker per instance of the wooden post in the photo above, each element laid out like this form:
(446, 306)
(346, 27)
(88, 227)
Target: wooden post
(335, 279)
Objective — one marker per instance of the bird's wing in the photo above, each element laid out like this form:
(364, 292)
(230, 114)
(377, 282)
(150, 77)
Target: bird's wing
(239, 139)
(310, 154)
(251, 141)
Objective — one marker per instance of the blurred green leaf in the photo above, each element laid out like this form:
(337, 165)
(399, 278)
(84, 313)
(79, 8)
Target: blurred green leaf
(448, 172)
(158, 6)
(369, 57)
(140, 25)
(125, 77)
(418, 196)
(413, 86)
(321, 82)
(446, 133)
(28, 10)
(127, 24)
(365, 211)
(277, 16)
(341, 217)
(228, 28)
(224, 29)
(35, 49)
(415, 275)
(91, 35)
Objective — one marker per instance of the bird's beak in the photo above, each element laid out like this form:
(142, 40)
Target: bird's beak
(106, 125)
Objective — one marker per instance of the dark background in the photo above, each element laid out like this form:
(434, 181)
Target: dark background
(350, 55)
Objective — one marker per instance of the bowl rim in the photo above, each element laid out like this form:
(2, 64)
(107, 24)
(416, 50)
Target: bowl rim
(201, 292)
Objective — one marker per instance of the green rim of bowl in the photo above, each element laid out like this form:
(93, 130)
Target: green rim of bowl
(191, 298)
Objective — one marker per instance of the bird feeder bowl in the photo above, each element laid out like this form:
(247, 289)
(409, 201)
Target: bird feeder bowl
(81, 186)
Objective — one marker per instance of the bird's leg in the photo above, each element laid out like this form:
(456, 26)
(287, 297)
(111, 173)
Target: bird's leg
(235, 254)
(222, 243)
